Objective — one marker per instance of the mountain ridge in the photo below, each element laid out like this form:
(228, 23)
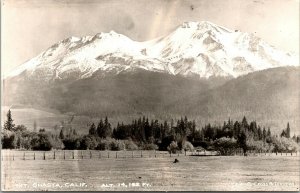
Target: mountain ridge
(200, 49)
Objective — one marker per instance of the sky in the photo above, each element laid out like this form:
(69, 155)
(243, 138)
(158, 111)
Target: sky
(28, 27)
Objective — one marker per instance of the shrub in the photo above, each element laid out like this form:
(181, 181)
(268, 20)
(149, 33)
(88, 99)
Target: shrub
(257, 145)
(20, 128)
(163, 146)
(55, 142)
(284, 144)
(225, 146)
(187, 146)
(72, 143)
(150, 146)
(9, 141)
(41, 142)
(103, 144)
(88, 142)
(173, 147)
(116, 145)
(130, 145)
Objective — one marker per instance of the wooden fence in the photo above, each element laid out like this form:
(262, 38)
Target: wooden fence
(94, 154)
(83, 154)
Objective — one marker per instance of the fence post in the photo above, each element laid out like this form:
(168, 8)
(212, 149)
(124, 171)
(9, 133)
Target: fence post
(64, 155)
(107, 154)
(34, 156)
(132, 154)
(155, 153)
(170, 153)
(24, 156)
(116, 154)
(73, 154)
(99, 154)
(184, 152)
(81, 154)
(141, 153)
(44, 156)
(90, 155)
(54, 155)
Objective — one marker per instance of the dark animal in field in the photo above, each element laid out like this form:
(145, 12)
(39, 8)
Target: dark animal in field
(176, 161)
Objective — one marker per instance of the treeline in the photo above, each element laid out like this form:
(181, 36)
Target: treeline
(142, 133)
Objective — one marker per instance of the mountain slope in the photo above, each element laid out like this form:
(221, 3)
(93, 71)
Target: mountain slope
(271, 96)
(126, 93)
(200, 49)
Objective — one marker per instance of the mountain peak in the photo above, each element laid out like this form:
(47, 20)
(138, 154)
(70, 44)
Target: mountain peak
(190, 24)
(194, 48)
(204, 26)
(111, 34)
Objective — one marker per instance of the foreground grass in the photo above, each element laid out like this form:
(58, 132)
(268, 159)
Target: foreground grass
(191, 173)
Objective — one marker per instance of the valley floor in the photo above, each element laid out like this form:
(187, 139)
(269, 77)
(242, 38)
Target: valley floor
(191, 173)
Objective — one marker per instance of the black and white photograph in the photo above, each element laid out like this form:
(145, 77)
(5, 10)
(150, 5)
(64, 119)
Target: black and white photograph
(150, 95)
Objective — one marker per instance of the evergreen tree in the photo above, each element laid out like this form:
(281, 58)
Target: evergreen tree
(193, 131)
(172, 123)
(236, 129)
(74, 132)
(93, 130)
(269, 133)
(253, 130)
(283, 133)
(288, 130)
(104, 128)
(9, 124)
(166, 128)
(294, 138)
(259, 133)
(245, 123)
(242, 141)
(34, 126)
(264, 134)
(61, 134)
(269, 136)
(100, 129)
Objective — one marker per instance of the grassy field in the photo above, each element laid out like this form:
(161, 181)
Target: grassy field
(192, 173)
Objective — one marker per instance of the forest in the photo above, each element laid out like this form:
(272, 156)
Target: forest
(175, 136)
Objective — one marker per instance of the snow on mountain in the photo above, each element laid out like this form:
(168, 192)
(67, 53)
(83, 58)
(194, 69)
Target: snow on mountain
(194, 48)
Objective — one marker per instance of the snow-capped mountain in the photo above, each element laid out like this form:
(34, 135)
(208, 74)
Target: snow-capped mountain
(194, 48)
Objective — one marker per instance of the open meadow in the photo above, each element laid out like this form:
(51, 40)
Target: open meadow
(135, 172)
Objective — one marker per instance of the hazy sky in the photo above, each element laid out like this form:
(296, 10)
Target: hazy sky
(31, 26)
